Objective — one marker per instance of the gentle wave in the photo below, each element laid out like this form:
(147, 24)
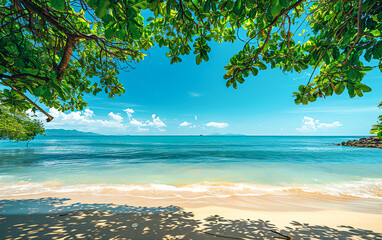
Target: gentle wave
(365, 188)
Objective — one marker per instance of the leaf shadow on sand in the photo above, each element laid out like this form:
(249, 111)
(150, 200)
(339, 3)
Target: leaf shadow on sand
(51, 218)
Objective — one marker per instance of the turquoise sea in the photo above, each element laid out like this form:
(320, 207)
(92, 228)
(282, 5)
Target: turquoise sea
(208, 165)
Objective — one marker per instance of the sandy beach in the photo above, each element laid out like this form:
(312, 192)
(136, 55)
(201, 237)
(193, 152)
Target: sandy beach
(201, 223)
(266, 217)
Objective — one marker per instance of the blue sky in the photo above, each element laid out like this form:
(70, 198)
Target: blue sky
(190, 99)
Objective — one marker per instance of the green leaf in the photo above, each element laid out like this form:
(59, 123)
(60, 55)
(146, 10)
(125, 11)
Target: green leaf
(133, 29)
(109, 33)
(92, 3)
(284, 3)
(359, 92)
(365, 88)
(38, 91)
(377, 51)
(276, 8)
(19, 63)
(340, 88)
(379, 135)
(198, 59)
(240, 80)
(354, 74)
(234, 85)
(237, 9)
(254, 71)
(228, 83)
(206, 7)
(335, 53)
(107, 19)
(102, 8)
(368, 54)
(58, 4)
(351, 90)
(58, 89)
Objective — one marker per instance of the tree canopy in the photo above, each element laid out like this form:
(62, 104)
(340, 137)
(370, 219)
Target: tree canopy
(18, 126)
(377, 128)
(58, 50)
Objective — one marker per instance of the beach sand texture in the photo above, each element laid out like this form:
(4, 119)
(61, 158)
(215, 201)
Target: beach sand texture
(112, 221)
(175, 225)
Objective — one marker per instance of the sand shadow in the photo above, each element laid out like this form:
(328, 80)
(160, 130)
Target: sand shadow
(50, 218)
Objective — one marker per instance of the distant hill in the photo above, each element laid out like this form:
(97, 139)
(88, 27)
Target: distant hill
(227, 134)
(63, 132)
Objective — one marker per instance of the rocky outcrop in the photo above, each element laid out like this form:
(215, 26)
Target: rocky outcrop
(368, 142)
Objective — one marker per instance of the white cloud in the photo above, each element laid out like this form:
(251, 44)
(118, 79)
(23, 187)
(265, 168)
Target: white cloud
(307, 125)
(88, 113)
(137, 123)
(156, 123)
(196, 117)
(87, 121)
(116, 117)
(328, 125)
(217, 124)
(311, 125)
(184, 124)
(129, 112)
(194, 94)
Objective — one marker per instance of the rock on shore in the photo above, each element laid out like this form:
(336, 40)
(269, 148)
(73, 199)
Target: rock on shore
(369, 142)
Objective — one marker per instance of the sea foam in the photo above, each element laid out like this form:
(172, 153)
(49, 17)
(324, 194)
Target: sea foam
(365, 188)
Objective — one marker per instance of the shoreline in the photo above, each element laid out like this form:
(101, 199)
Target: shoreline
(270, 202)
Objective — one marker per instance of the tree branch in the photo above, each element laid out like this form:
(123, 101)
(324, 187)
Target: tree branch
(24, 75)
(273, 23)
(70, 44)
(50, 118)
(359, 30)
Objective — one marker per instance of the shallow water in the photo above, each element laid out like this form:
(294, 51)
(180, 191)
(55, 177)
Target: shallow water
(209, 165)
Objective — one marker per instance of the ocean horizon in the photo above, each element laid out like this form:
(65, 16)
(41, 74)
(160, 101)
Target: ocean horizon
(57, 132)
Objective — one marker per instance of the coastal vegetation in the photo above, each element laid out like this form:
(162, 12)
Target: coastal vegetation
(56, 51)
(377, 128)
(17, 126)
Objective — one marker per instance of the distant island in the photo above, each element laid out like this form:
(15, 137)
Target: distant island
(76, 133)
(227, 134)
(63, 132)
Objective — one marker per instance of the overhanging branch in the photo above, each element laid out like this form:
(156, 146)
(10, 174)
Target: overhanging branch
(50, 118)
(70, 44)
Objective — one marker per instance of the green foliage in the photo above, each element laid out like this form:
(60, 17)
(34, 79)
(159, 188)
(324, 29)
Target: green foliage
(377, 128)
(19, 126)
(53, 52)
(58, 50)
